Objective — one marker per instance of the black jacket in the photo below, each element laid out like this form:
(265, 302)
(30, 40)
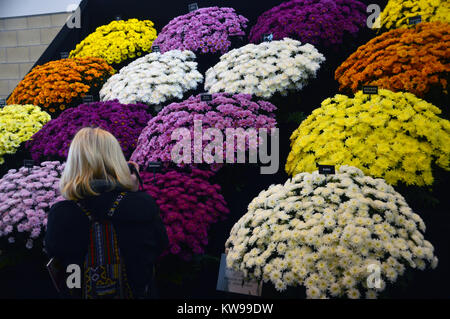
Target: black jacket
(142, 236)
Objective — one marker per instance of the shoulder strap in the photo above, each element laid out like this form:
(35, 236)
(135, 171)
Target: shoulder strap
(116, 204)
(111, 211)
(85, 211)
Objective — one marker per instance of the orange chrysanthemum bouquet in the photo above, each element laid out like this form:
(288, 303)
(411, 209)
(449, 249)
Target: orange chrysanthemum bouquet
(416, 60)
(60, 84)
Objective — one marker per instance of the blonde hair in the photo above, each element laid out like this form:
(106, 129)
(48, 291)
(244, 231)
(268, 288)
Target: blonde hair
(94, 154)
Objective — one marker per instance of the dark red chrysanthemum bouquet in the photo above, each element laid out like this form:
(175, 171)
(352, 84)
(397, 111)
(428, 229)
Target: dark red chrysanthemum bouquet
(318, 22)
(188, 204)
(224, 111)
(124, 121)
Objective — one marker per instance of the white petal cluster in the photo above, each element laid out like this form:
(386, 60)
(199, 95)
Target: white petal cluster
(154, 78)
(265, 69)
(329, 233)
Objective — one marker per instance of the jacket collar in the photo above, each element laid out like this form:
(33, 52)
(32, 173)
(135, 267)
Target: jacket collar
(102, 186)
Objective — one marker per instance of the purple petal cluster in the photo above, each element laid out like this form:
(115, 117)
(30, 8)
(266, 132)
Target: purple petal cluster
(202, 31)
(188, 204)
(124, 121)
(26, 195)
(224, 111)
(319, 22)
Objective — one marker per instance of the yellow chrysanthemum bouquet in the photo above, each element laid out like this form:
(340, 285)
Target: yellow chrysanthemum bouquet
(17, 124)
(395, 136)
(397, 13)
(118, 41)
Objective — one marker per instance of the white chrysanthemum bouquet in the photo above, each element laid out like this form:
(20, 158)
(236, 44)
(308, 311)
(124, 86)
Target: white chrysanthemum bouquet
(154, 79)
(342, 235)
(265, 69)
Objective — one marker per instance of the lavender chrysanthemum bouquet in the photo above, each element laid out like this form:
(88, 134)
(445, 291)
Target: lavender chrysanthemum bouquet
(319, 22)
(204, 30)
(26, 196)
(189, 205)
(124, 121)
(223, 112)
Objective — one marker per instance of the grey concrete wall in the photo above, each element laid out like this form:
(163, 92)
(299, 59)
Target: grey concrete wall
(22, 42)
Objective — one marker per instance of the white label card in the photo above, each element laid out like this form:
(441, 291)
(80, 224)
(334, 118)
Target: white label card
(230, 280)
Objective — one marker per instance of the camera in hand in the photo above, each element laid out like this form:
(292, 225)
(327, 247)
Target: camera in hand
(134, 171)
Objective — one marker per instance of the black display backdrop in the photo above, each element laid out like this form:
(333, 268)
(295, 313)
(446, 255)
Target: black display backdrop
(240, 183)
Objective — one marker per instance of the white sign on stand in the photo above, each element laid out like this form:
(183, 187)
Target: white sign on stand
(193, 7)
(230, 280)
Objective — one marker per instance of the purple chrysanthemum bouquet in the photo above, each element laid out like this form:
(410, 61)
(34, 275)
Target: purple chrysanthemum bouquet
(202, 31)
(319, 22)
(26, 196)
(204, 125)
(188, 204)
(124, 121)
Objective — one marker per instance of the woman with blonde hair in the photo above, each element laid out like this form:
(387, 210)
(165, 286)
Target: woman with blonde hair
(106, 225)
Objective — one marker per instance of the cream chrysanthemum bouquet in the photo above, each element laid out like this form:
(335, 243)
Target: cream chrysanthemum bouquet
(18, 123)
(154, 79)
(329, 233)
(265, 69)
